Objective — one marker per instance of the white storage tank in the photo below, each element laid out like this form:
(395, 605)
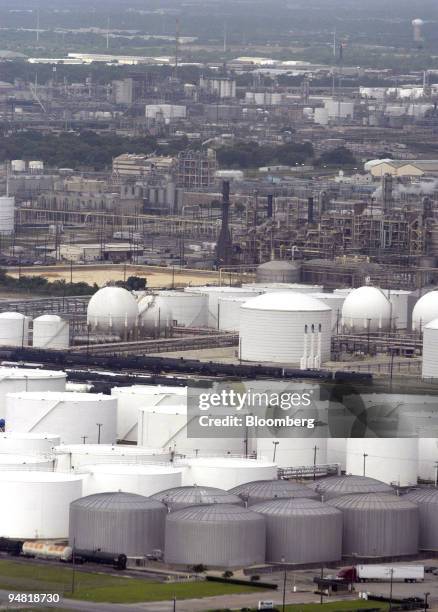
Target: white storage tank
(35, 505)
(36, 166)
(400, 305)
(425, 311)
(51, 332)
(75, 456)
(188, 309)
(229, 309)
(14, 380)
(366, 309)
(215, 293)
(18, 165)
(112, 309)
(392, 460)
(154, 315)
(7, 215)
(226, 473)
(427, 458)
(279, 271)
(28, 443)
(14, 461)
(14, 329)
(294, 451)
(130, 477)
(429, 367)
(286, 327)
(335, 301)
(279, 287)
(131, 399)
(71, 415)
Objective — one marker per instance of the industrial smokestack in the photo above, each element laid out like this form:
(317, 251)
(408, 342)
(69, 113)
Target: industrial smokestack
(270, 206)
(224, 244)
(417, 26)
(310, 210)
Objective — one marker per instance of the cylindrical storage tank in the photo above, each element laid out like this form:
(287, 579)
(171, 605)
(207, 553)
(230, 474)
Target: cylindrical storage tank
(28, 443)
(130, 478)
(378, 525)
(425, 311)
(430, 354)
(36, 166)
(427, 502)
(392, 460)
(14, 329)
(75, 456)
(220, 535)
(14, 461)
(216, 293)
(280, 287)
(229, 313)
(183, 497)
(35, 505)
(51, 332)
(154, 315)
(71, 415)
(130, 399)
(337, 486)
(118, 523)
(294, 451)
(226, 473)
(366, 309)
(14, 380)
(7, 215)
(18, 165)
(112, 309)
(427, 458)
(335, 301)
(279, 272)
(301, 531)
(188, 309)
(400, 304)
(285, 328)
(260, 491)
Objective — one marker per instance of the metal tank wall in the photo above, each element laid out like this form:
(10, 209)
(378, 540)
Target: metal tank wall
(427, 458)
(14, 329)
(266, 490)
(427, 502)
(51, 332)
(226, 473)
(294, 451)
(28, 443)
(378, 525)
(430, 354)
(14, 380)
(337, 451)
(44, 463)
(216, 293)
(7, 215)
(229, 313)
(301, 531)
(337, 486)
(279, 272)
(75, 456)
(184, 497)
(335, 302)
(188, 309)
(131, 478)
(219, 535)
(117, 523)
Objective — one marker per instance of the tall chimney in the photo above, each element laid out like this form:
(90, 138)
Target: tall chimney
(224, 244)
(270, 206)
(310, 210)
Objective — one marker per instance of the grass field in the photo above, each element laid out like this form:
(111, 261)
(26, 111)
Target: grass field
(103, 587)
(336, 606)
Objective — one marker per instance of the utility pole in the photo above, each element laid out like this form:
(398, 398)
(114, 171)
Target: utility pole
(73, 573)
(315, 448)
(365, 455)
(275, 443)
(283, 560)
(83, 439)
(99, 427)
(390, 588)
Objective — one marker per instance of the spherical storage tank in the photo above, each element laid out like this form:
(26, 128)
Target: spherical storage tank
(35, 505)
(337, 486)
(71, 415)
(392, 460)
(425, 311)
(266, 490)
(378, 525)
(430, 352)
(7, 215)
(183, 497)
(226, 473)
(112, 309)
(188, 309)
(28, 443)
(427, 502)
(14, 329)
(13, 380)
(219, 535)
(51, 332)
(118, 523)
(154, 315)
(301, 531)
(130, 399)
(285, 327)
(366, 308)
(75, 456)
(130, 478)
(279, 272)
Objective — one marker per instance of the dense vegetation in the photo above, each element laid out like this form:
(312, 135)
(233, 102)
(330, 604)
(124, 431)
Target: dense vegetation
(39, 285)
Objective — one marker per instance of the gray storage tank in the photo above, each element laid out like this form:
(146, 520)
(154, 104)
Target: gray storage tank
(220, 535)
(427, 501)
(263, 490)
(301, 531)
(335, 486)
(117, 522)
(279, 271)
(184, 497)
(378, 525)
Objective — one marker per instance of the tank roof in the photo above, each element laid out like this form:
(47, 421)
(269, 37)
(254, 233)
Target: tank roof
(372, 501)
(294, 507)
(215, 513)
(271, 489)
(286, 301)
(345, 485)
(197, 496)
(427, 495)
(117, 501)
(279, 264)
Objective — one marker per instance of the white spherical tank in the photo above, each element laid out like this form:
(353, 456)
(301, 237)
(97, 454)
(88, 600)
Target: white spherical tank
(391, 460)
(430, 353)
(427, 458)
(7, 215)
(335, 301)
(35, 505)
(425, 311)
(28, 443)
(293, 452)
(366, 308)
(226, 473)
(285, 328)
(130, 478)
(229, 310)
(75, 456)
(154, 315)
(14, 329)
(188, 309)
(15, 461)
(71, 415)
(130, 399)
(13, 380)
(51, 332)
(112, 309)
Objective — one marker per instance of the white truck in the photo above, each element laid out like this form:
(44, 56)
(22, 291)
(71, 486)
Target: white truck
(384, 573)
